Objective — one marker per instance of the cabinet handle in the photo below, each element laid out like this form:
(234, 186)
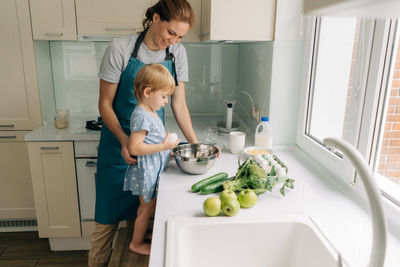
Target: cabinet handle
(49, 147)
(7, 125)
(8, 137)
(54, 34)
(204, 34)
(91, 164)
(120, 29)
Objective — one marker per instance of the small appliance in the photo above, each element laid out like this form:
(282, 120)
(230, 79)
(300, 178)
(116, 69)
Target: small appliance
(94, 124)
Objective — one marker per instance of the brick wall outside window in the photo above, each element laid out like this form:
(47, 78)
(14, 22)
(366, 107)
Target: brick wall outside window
(389, 164)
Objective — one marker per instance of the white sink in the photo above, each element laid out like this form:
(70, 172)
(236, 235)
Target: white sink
(224, 241)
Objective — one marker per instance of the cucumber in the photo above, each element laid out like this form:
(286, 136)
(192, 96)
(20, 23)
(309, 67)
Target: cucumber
(214, 187)
(216, 177)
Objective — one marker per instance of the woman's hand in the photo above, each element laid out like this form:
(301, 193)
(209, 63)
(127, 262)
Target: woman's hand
(170, 143)
(125, 153)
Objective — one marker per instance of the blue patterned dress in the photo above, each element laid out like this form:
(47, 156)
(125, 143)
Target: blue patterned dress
(142, 178)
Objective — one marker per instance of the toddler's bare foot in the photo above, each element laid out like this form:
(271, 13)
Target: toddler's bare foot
(143, 249)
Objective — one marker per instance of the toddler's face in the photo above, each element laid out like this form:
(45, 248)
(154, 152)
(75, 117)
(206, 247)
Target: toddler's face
(158, 99)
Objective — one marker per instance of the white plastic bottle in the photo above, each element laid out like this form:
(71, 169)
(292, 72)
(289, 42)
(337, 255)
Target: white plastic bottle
(263, 135)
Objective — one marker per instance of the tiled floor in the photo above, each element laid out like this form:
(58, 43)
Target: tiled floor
(26, 249)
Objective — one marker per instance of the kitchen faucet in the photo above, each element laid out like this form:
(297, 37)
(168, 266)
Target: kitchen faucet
(378, 251)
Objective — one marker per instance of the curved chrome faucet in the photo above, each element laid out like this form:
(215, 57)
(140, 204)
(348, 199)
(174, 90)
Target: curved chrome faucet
(378, 251)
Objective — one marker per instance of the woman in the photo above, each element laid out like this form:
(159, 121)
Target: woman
(165, 24)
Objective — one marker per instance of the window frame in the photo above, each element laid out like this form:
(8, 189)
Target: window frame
(381, 39)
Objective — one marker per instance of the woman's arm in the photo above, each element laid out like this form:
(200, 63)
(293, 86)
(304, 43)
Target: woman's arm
(181, 113)
(107, 113)
(137, 147)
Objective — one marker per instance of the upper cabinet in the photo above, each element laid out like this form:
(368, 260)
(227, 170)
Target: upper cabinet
(53, 19)
(252, 20)
(19, 94)
(356, 8)
(104, 17)
(193, 35)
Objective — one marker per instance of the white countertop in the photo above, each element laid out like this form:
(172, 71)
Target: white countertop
(76, 130)
(340, 218)
(343, 222)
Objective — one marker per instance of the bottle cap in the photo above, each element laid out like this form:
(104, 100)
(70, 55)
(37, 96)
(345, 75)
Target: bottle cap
(264, 119)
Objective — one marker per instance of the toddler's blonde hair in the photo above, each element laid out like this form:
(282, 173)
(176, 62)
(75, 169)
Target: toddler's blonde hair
(155, 76)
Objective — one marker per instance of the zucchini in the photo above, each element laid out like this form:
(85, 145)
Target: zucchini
(216, 177)
(214, 187)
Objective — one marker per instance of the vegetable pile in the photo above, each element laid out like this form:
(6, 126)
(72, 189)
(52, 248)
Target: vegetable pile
(260, 173)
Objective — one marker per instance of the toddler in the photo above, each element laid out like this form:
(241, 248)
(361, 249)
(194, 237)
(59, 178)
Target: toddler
(150, 143)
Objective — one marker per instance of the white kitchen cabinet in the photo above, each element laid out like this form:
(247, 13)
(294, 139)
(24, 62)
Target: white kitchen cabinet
(104, 17)
(19, 94)
(53, 19)
(252, 20)
(16, 196)
(354, 8)
(54, 188)
(193, 35)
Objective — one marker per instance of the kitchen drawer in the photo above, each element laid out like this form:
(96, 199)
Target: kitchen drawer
(13, 136)
(86, 148)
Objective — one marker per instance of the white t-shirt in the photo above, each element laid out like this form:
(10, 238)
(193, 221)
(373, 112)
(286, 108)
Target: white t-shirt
(118, 53)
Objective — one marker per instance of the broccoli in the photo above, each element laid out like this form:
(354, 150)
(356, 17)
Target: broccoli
(235, 185)
(251, 175)
(256, 171)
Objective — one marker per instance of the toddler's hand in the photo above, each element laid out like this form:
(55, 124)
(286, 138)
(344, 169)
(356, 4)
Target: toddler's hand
(169, 143)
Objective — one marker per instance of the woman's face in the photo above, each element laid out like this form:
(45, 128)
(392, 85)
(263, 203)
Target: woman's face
(168, 33)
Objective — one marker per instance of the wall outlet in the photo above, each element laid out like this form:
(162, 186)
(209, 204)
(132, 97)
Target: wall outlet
(255, 113)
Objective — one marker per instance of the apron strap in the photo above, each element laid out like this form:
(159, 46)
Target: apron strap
(168, 56)
(138, 42)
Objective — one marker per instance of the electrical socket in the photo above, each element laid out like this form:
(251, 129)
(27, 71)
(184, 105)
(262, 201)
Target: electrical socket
(255, 113)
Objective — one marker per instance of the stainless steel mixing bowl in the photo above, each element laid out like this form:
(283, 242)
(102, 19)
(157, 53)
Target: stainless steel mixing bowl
(195, 158)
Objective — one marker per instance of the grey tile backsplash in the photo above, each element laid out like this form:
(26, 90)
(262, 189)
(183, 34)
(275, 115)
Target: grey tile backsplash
(68, 71)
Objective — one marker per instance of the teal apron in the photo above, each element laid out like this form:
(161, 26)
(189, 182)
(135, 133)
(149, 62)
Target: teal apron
(112, 203)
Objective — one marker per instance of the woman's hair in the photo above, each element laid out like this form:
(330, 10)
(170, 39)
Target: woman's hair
(179, 10)
(155, 76)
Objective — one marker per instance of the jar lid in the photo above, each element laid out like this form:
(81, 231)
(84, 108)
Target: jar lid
(264, 119)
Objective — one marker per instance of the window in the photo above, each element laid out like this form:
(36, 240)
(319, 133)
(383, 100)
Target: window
(353, 93)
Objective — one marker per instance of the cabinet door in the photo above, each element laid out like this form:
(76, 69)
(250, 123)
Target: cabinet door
(53, 19)
(19, 96)
(205, 20)
(193, 35)
(16, 196)
(54, 188)
(253, 20)
(102, 17)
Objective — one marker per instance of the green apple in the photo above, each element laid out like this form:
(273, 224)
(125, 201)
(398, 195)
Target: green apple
(247, 198)
(212, 206)
(227, 194)
(230, 207)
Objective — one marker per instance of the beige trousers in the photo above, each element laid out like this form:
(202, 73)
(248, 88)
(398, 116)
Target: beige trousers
(101, 243)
